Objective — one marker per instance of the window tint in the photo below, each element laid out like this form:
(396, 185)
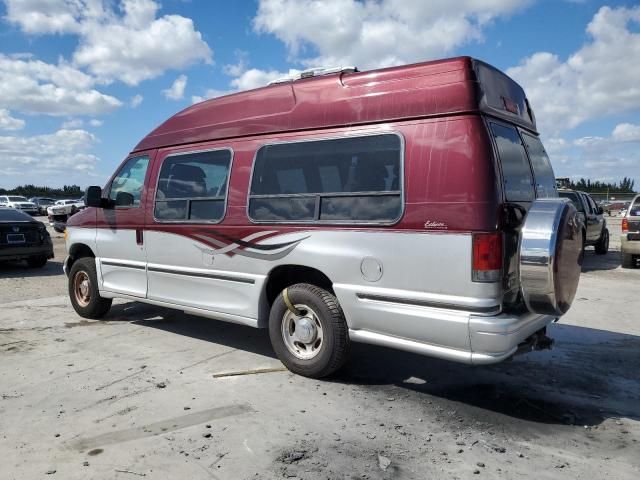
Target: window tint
(126, 187)
(516, 172)
(193, 187)
(11, 215)
(574, 199)
(542, 170)
(592, 204)
(587, 205)
(344, 180)
(634, 210)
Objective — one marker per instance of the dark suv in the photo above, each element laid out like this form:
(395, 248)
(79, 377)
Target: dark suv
(595, 226)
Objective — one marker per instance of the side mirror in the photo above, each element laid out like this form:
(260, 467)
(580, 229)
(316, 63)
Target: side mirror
(93, 197)
(600, 211)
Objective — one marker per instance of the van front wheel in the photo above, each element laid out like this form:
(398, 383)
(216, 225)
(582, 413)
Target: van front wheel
(83, 290)
(308, 331)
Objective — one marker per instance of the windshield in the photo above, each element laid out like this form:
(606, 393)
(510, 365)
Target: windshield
(17, 199)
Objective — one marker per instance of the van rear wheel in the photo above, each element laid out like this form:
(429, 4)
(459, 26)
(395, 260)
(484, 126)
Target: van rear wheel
(83, 290)
(308, 331)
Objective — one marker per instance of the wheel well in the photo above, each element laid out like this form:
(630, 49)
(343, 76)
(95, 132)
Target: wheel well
(79, 250)
(284, 276)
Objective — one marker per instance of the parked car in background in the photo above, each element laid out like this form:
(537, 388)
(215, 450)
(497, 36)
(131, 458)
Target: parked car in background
(337, 206)
(23, 238)
(630, 240)
(60, 212)
(595, 231)
(42, 203)
(19, 203)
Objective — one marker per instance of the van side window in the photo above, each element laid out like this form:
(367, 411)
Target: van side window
(192, 187)
(126, 187)
(542, 170)
(516, 171)
(346, 180)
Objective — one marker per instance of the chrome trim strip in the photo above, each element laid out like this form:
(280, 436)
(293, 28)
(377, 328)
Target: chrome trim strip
(213, 276)
(355, 134)
(374, 338)
(225, 317)
(226, 195)
(429, 303)
(119, 264)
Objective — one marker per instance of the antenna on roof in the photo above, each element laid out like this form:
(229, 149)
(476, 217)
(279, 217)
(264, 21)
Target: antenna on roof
(314, 72)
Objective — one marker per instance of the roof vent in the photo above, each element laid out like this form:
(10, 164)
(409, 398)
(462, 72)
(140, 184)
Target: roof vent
(314, 72)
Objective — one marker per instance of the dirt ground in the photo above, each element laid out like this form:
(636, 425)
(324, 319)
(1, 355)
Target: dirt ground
(155, 393)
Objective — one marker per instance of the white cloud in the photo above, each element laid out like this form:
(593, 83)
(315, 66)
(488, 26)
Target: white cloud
(41, 16)
(238, 68)
(7, 122)
(72, 124)
(609, 157)
(128, 44)
(64, 154)
(94, 122)
(249, 79)
(137, 46)
(33, 86)
(626, 132)
(136, 100)
(176, 90)
(601, 78)
(376, 33)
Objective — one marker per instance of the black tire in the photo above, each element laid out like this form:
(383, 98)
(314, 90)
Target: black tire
(37, 262)
(602, 247)
(334, 349)
(627, 260)
(95, 307)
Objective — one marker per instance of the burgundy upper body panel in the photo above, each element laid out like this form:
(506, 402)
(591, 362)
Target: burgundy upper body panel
(442, 87)
(450, 179)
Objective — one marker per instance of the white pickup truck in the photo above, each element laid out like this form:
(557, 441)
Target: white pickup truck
(60, 211)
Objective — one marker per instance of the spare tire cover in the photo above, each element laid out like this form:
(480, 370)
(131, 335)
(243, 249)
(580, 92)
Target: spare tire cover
(550, 256)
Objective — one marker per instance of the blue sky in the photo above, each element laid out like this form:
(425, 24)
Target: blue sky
(81, 81)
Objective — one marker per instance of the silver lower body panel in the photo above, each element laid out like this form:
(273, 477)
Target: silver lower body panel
(492, 338)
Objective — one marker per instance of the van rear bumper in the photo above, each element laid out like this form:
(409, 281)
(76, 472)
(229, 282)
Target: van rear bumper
(496, 338)
(629, 244)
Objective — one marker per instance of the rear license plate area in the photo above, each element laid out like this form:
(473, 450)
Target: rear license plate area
(633, 237)
(15, 238)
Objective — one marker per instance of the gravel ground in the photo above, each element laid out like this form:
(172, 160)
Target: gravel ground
(155, 393)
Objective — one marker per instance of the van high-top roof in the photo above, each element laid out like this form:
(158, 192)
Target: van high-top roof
(453, 86)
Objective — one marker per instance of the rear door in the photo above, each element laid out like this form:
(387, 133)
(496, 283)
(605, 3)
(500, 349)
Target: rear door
(518, 188)
(544, 178)
(120, 233)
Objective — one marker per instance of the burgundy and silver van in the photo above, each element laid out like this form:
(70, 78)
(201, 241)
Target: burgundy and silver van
(412, 207)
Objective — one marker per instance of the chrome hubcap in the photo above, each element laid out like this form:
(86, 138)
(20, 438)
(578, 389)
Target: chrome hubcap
(82, 288)
(302, 334)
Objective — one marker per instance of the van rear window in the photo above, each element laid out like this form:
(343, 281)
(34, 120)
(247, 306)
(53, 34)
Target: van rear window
(542, 170)
(516, 171)
(343, 180)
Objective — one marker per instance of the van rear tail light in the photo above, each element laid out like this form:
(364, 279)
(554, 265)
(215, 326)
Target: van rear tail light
(487, 257)
(625, 225)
